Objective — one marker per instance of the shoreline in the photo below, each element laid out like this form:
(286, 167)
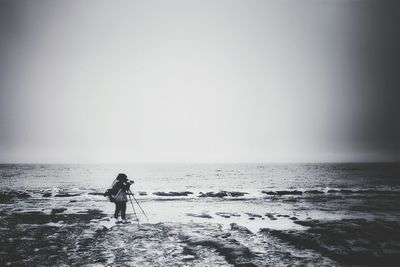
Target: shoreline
(81, 235)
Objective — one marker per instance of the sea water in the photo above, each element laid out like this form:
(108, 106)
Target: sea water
(326, 190)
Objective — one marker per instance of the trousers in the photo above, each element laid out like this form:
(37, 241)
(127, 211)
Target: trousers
(120, 207)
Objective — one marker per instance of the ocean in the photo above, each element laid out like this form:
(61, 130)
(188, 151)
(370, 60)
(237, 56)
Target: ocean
(270, 214)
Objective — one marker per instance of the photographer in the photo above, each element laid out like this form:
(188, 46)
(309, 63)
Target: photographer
(120, 187)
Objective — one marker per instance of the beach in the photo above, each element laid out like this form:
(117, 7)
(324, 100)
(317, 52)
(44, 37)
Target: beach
(202, 215)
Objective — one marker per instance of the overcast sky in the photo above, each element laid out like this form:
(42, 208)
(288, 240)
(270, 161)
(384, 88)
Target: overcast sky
(199, 81)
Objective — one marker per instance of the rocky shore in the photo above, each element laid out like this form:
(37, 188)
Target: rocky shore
(74, 228)
(351, 241)
(58, 237)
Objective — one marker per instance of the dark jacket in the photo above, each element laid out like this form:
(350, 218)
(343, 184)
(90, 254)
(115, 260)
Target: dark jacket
(119, 190)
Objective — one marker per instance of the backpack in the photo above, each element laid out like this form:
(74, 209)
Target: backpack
(110, 193)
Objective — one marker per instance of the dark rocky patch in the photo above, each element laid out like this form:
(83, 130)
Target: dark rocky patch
(173, 194)
(271, 216)
(67, 195)
(236, 194)
(48, 194)
(227, 214)
(28, 240)
(253, 215)
(282, 192)
(222, 194)
(38, 217)
(223, 214)
(239, 228)
(234, 252)
(7, 196)
(142, 193)
(351, 241)
(343, 191)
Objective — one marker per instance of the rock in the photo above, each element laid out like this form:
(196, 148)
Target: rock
(141, 193)
(7, 196)
(212, 194)
(222, 194)
(343, 191)
(227, 214)
(253, 215)
(48, 194)
(294, 218)
(351, 241)
(282, 192)
(172, 194)
(239, 228)
(66, 195)
(235, 253)
(270, 216)
(236, 194)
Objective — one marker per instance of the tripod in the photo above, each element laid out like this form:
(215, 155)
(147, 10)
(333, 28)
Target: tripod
(133, 207)
(144, 213)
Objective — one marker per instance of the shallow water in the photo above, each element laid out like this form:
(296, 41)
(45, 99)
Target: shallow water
(255, 196)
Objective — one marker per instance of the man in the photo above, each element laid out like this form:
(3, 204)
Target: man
(120, 188)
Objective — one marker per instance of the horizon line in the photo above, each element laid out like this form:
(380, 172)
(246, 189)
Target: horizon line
(201, 162)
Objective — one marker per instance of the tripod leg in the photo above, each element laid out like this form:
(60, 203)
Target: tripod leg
(134, 211)
(139, 205)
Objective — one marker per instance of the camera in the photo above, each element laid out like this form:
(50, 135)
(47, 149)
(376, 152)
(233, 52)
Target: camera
(130, 181)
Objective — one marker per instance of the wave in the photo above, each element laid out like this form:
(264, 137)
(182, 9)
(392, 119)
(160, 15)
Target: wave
(96, 194)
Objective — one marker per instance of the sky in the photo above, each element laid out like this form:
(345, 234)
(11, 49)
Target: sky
(199, 81)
